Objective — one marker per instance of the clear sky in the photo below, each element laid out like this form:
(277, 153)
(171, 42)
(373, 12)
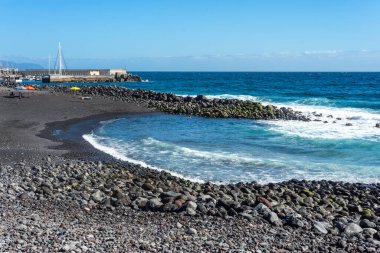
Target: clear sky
(253, 35)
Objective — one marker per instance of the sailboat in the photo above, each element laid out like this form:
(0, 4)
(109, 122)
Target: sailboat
(59, 64)
(58, 67)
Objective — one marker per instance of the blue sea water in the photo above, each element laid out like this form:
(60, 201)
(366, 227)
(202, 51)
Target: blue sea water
(232, 150)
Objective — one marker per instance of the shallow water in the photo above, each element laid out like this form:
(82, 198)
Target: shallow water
(232, 150)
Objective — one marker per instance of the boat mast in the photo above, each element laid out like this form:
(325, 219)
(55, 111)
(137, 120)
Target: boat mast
(49, 63)
(59, 59)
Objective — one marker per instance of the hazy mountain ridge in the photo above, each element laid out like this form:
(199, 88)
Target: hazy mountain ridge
(20, 66)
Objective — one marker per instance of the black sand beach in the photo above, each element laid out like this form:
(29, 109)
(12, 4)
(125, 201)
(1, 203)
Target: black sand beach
(22, 119)
(66, 196)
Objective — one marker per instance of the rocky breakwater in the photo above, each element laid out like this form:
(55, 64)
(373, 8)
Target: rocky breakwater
(127, 78)
(346, 215)
(221, 108)
(197, 106)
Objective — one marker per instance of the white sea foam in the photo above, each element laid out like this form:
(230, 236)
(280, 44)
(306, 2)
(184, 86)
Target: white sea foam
(264, 169)
(331, 124)
(119, 154)
(215, 156)
(327, 126)
(240, 97)
(315, 101)
(231, 96)
(261, 169)
(109, 121)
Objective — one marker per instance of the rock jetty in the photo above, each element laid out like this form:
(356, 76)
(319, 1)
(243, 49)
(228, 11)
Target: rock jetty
(127, 78)
(197, 106)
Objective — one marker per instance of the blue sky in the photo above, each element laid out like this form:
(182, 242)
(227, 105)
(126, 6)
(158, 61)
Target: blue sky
(294, 35)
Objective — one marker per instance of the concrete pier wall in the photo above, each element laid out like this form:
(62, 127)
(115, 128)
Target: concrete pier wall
(75, 72)
(76, 79)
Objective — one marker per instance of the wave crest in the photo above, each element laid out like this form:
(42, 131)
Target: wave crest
(118, 154)
(232, 96)
(219, 156)
(327, 121)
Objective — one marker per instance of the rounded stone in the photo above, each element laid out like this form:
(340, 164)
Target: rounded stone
(192, 231)
(352, 229)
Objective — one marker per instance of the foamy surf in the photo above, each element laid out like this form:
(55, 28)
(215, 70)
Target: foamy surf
(231, 96)
(331, 123)
(240, 97)
(118, 154)
(263, 169)
(327, 121)
(213, 156)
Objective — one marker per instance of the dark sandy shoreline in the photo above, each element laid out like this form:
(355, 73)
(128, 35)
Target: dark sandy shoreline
(64, 195)
(72, 141)
(24, 121)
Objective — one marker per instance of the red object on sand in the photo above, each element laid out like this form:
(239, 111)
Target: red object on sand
(30, 88)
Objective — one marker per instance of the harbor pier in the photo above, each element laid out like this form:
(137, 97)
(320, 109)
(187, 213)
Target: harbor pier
(76, 79)
(81, 75)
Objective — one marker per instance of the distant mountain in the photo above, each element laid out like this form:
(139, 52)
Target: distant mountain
(23, 66)
(20, 66)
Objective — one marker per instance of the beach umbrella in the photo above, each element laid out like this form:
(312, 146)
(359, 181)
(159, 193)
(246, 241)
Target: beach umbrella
(20, 88)
(75, 88)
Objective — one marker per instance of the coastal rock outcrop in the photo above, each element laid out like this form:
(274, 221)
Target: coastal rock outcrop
(197, 106)
(127, 78)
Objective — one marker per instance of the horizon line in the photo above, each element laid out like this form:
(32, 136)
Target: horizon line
(234, 71)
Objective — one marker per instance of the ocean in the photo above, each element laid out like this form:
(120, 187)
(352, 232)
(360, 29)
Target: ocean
(233, 150)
